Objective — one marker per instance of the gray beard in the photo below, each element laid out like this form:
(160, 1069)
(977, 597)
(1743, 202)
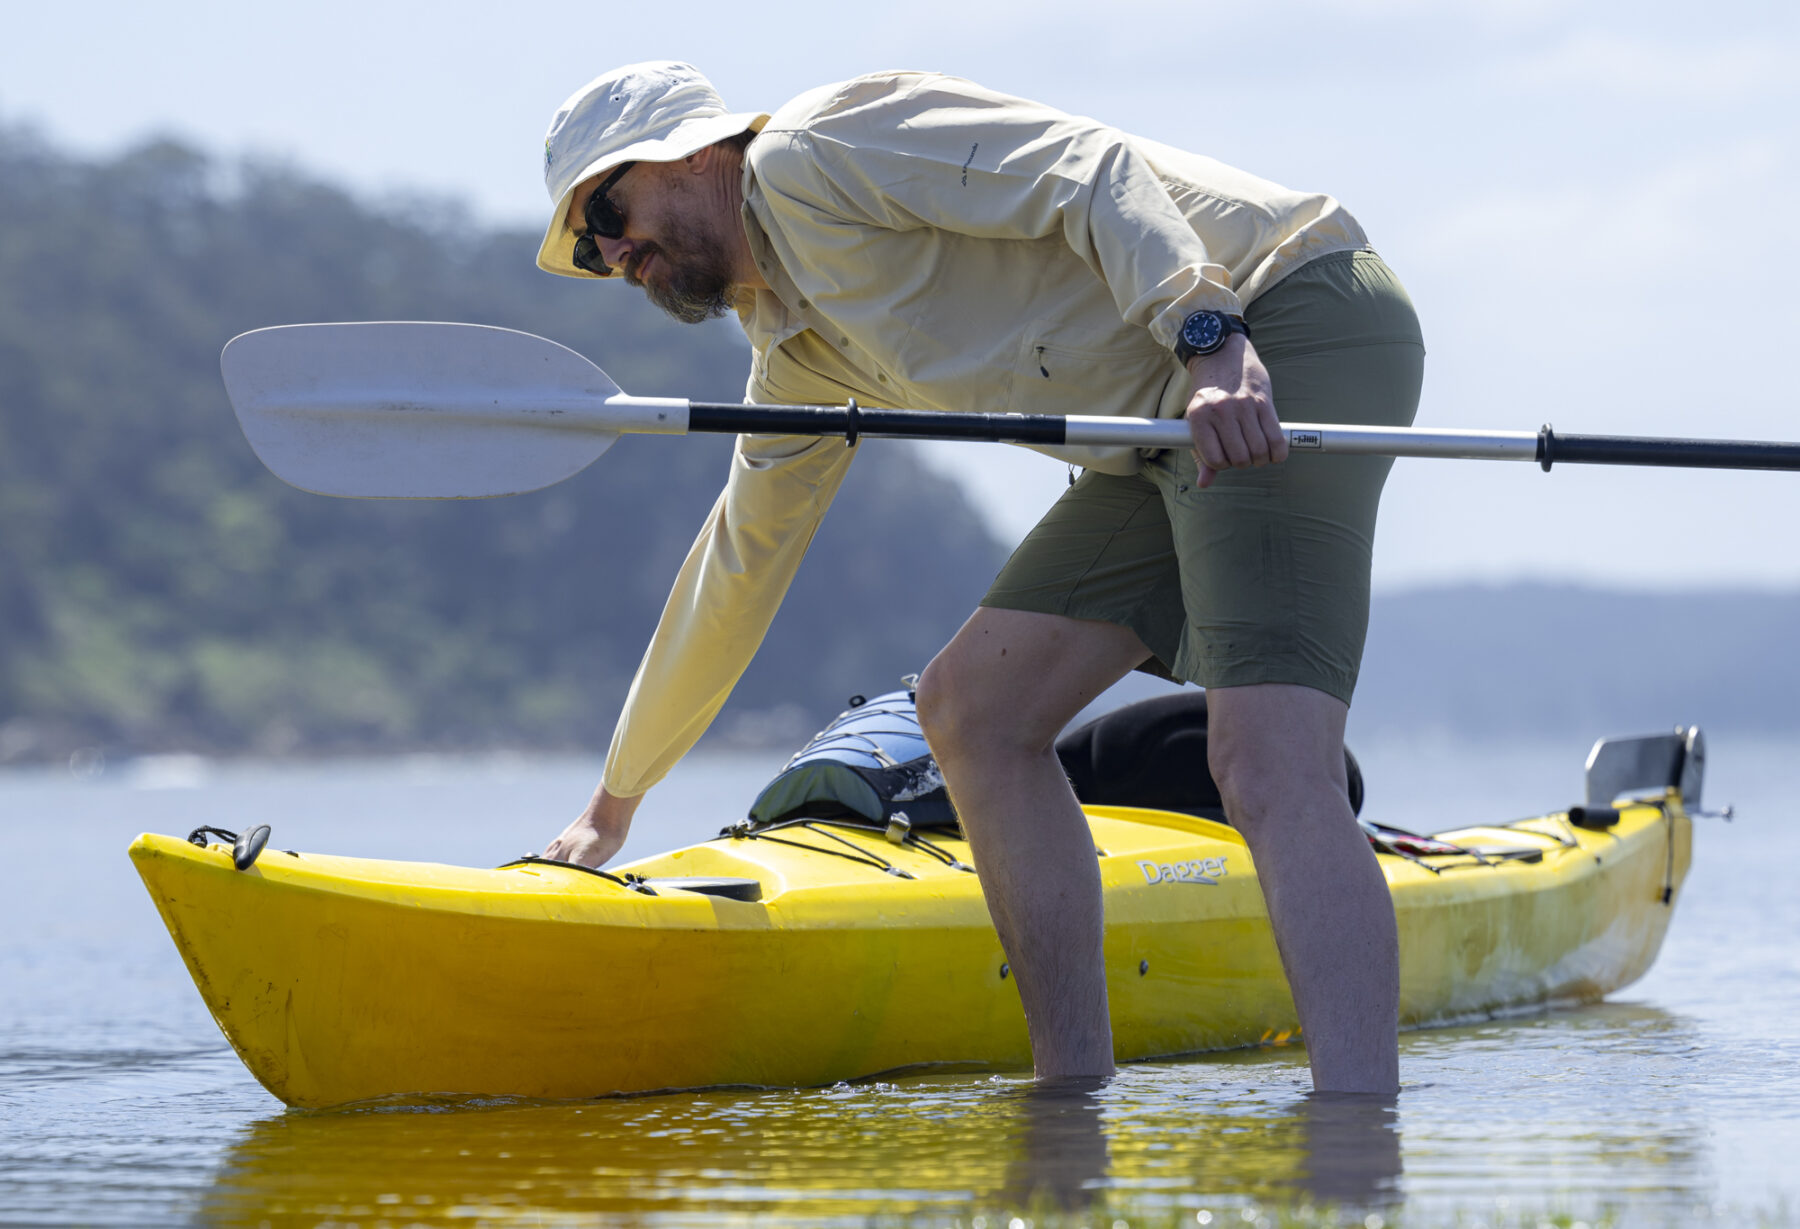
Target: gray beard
(693, 299)
(696, 286)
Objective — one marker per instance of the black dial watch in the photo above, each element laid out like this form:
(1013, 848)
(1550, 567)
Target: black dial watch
(1203, 332)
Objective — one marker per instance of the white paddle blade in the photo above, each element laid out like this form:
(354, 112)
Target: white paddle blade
(411, 410)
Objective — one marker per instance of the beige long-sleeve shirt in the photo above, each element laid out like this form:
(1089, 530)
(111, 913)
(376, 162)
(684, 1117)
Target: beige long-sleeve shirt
(932, 244)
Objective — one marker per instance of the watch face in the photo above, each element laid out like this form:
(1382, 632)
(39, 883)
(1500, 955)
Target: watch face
(1204, 331)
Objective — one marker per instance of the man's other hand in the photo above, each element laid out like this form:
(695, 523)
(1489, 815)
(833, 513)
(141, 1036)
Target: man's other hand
(1231, 413)
(597, 833)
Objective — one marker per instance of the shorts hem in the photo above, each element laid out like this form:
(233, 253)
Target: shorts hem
(1252, 672)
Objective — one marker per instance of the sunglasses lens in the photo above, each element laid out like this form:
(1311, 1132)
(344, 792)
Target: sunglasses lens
(603, 219)
(587, 256)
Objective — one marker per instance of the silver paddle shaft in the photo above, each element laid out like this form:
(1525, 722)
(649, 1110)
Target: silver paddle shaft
(1318, 437)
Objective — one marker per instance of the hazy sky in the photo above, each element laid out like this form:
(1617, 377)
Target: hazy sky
(1590, 203)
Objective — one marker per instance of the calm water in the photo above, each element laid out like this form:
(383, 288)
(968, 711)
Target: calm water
(121, 1104)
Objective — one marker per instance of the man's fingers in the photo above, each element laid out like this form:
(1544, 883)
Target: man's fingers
(1236, 441)
(1263, 439)
(1272, 432)
(1207, 444)
(1209, 456)
(580, 852)
(573, 845)
(1256, 440)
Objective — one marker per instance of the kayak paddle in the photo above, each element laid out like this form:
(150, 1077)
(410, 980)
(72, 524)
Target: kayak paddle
(412, 410)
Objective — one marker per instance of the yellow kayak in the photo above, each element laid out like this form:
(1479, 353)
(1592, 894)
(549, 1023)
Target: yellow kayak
(815, 951)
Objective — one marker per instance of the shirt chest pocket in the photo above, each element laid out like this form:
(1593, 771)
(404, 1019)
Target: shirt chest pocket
(1062, 370)
(805, 370)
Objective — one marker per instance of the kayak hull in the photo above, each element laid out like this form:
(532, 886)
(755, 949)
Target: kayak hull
(340, 980)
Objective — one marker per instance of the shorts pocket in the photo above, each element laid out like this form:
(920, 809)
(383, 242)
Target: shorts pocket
(1177, 475)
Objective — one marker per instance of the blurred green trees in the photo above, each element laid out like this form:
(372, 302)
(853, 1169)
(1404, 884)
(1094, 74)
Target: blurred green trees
(160, 591)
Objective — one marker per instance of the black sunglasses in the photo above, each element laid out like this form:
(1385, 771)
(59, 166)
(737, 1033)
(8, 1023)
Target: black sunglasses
(604, 221)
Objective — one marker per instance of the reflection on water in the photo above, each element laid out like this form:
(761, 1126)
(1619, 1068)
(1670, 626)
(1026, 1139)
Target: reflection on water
(1352, 1149)
(1513, 1109)
(924, 1145)
(1060, 1157)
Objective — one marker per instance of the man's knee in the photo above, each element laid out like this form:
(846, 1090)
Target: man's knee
(963, 710)
(1009, 680)
(936, 701)
(1256, 787)
(1268, 761)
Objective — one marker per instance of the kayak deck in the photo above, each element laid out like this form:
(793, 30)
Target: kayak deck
(342, 979)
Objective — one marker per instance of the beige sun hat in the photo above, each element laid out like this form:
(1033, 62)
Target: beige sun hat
(658, 111)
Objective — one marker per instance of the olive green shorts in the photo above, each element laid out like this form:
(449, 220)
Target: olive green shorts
(1263, 577)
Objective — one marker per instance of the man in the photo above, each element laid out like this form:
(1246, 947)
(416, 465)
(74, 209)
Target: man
(915, 240)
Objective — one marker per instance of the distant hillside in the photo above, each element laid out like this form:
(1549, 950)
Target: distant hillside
(1556, 659)
(160, 591)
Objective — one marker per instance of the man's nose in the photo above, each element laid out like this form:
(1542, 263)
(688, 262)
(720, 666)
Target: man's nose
(614, 251)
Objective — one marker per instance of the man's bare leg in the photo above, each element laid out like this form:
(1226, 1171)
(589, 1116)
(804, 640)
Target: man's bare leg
(992, 704)
(1277, 753)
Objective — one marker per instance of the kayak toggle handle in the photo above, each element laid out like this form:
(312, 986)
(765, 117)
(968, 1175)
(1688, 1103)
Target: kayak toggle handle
(245, 849)
(1595, 819)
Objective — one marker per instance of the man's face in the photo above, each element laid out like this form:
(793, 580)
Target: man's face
(671, 246)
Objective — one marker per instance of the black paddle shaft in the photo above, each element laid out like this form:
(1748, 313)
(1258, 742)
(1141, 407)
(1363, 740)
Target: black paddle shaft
(1674, 453)
(852, 421)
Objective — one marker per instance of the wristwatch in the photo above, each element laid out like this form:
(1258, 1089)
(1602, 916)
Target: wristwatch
(1203, 332)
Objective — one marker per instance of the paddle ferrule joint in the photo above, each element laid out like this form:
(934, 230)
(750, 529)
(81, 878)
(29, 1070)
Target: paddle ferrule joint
(647, 415)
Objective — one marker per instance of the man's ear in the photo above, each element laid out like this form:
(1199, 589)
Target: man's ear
(700, 161)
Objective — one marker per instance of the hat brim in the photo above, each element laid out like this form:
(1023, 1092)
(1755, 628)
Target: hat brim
(556, 253)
